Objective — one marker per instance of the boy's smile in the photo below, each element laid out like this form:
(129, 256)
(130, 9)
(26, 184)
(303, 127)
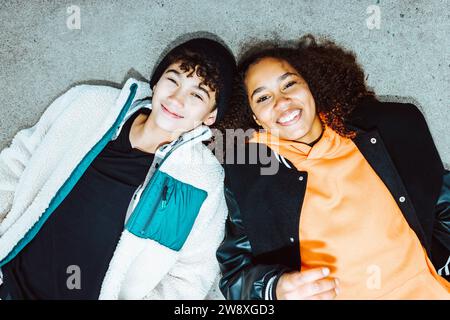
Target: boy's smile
(170, 113)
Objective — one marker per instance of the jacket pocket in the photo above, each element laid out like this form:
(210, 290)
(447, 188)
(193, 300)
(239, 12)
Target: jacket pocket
(166, 211)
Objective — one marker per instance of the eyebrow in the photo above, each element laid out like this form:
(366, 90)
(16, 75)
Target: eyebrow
(204, 90)
(174, 71)
(199, 86)
(280, 78)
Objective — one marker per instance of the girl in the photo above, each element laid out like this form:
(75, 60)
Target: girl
(351, 211)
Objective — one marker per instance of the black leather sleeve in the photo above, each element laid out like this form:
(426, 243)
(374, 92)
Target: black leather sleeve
(242, 278)
(441, 232)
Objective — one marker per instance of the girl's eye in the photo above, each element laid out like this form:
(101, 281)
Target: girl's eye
(289, 84)
(262, 99)
(197, 96)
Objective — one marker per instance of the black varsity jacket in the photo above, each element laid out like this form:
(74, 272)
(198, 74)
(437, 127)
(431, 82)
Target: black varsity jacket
(262, 230)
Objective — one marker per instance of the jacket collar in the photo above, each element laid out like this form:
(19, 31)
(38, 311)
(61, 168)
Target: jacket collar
(372, 147)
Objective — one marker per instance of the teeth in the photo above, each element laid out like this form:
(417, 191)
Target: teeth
(289, 116)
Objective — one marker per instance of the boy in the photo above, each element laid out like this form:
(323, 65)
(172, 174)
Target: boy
(112, 195)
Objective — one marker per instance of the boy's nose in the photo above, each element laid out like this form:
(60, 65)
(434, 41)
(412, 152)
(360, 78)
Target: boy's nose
(176, 100)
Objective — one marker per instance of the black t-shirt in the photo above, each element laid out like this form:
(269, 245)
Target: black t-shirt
(81, 235)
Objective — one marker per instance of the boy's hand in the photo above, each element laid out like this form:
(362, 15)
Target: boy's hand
(307, 285)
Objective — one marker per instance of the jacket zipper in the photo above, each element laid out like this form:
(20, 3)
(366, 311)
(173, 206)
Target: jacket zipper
(164, 197)
(157, 166)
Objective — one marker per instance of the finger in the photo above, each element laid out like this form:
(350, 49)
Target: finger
(318, 287)
(304, 277)
(327, 295)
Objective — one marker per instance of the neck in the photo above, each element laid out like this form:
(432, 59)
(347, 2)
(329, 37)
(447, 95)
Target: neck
(314, 134)
(148, 136)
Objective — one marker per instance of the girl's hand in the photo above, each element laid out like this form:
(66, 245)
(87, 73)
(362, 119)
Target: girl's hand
(307, 285)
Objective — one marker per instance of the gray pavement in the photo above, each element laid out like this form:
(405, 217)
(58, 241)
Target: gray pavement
(44, 51)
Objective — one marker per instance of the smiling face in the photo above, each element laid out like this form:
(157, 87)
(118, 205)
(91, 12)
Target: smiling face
(281, 100)
(181, 102)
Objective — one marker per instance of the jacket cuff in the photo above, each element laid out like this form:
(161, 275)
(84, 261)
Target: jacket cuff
(270, 289)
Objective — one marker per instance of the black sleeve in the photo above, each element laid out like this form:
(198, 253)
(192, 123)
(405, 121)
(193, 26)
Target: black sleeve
(242, 279)
(441, 232)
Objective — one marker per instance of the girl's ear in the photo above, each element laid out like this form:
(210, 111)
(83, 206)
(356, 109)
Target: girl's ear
(210, 118)
(257, 121)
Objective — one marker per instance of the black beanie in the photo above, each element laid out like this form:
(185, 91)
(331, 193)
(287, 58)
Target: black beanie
(216, 52)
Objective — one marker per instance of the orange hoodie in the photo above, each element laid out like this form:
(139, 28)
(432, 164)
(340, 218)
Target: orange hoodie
(351, 223)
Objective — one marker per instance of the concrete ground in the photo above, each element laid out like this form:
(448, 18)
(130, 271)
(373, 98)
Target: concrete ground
(404, 46)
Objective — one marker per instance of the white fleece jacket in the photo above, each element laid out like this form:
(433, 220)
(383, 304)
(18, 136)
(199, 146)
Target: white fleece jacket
(40, 159)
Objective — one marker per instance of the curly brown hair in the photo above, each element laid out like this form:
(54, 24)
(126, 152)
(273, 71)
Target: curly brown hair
(332, 73)
(203, 66)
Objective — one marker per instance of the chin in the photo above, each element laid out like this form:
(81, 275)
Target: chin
(293, 134)
(167, 125)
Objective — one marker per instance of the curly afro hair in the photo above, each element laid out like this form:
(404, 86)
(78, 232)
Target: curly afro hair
(332, 73)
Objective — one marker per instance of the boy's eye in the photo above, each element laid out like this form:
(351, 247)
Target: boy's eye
(262, 99)
(172, 80)
(289, 84)
(197, 96)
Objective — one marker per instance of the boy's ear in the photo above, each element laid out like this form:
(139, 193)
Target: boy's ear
(210, 118)
(257, 121)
